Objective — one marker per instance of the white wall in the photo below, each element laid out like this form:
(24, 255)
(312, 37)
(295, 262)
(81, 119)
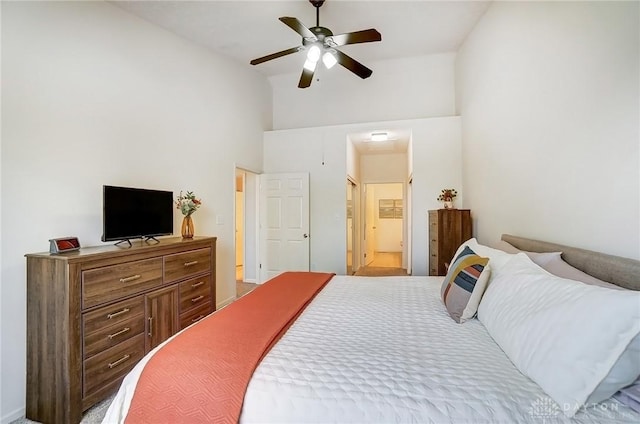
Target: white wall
(548, 93)
(321, 152)
(353, 161)
(384, 168)
(92, 95)
(398, 89)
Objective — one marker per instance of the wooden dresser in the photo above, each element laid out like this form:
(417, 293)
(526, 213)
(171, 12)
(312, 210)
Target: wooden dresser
(93, 313)
(448, 229)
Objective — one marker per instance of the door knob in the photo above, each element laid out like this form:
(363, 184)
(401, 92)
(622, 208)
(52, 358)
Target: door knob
(305, 235)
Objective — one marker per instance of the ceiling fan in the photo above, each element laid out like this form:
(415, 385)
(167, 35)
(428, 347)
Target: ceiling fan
(319, 42)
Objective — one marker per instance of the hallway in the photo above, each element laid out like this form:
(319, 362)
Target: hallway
(384, 264)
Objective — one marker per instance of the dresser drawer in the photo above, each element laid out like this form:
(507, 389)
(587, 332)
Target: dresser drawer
(433, 247)
(115, 314)
(194, 292)
(433, 264)
(183, 265)
(112, 364)
(194, 315)
(108, 326)
(109, 283)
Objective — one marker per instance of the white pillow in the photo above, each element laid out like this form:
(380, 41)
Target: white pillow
(554, 263)
(497, 258)
(538, 258)
(559, 267)
(621, 374)
(564, 335)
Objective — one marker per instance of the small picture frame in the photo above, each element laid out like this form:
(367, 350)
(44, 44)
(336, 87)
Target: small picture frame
(64, 244)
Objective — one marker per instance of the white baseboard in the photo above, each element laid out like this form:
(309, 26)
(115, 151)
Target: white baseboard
(12, 416)
(250, 280)
(225, 302)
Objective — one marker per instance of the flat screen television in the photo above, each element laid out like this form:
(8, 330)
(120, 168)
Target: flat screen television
(130, 213)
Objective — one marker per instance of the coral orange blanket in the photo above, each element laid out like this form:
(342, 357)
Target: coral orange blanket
(201, 376)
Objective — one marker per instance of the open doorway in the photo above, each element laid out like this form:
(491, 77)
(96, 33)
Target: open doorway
(352, 227)
(246, 230)
(384, 214)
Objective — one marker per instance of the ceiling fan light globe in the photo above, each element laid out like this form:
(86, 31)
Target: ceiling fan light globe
(310, 65)
(313, 54)
(329, 60)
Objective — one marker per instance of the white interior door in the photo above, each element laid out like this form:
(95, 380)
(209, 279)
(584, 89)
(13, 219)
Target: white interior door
(284, 224)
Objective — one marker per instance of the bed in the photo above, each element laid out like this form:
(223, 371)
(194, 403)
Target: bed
(385, 349)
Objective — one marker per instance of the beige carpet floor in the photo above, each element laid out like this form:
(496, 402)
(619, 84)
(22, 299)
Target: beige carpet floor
(94, 415)
(243, 288)
(378, 271)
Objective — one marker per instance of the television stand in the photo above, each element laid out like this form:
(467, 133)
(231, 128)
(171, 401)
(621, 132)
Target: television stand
(75, 301)
(149, 238)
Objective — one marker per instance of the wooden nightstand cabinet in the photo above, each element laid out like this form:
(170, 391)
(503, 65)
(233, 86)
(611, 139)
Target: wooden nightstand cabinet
(92, 314)
(448, 229)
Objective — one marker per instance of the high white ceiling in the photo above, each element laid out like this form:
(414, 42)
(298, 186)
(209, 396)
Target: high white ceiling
(244, 30)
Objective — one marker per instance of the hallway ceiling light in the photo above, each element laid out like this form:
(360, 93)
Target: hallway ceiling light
(380, 136)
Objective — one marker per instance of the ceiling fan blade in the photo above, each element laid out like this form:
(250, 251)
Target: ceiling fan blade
(353, 65)
(364, 36)
(275, 55)
(306, 78)
(297, 26)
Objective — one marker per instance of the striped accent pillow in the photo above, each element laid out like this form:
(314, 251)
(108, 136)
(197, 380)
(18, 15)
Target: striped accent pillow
(464, 285)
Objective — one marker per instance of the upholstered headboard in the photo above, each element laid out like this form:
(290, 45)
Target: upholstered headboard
(623, 272)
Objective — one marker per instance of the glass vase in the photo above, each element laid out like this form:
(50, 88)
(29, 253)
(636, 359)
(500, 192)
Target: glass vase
(188, 229)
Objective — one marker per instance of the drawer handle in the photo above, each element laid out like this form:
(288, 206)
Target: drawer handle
(119, 361)
(151, 326)
(198, 284)
(115, 314)
(127, 279)
(197, 318)
(197, 299)
(117, 333)
(190, 263)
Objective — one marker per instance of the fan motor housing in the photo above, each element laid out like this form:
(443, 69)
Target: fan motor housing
(320, 32)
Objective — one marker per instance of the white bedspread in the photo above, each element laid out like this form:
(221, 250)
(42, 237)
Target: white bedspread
(383, 350)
